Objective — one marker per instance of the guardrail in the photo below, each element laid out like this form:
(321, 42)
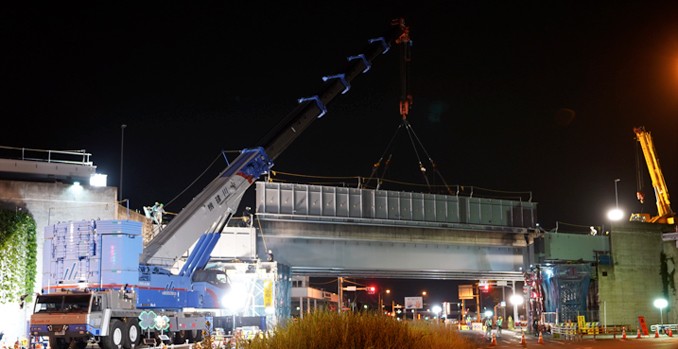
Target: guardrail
(76, 157)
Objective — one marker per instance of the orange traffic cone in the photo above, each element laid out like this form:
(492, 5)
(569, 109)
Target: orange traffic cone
(669, 332)
(541, 339)
(624, 333)
(638, 336)
(523, 342)
(494, 340)
(656, 333)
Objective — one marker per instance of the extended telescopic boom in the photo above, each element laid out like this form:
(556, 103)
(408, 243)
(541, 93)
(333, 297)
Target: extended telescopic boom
(664, 212)
(211, 210)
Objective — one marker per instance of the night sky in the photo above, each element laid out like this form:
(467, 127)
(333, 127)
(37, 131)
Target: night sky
(519, 96)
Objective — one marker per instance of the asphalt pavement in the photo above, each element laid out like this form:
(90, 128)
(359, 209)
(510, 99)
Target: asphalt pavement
(513, 339)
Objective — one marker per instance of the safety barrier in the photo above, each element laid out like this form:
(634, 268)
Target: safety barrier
(614, 329)
(568, 331)
(663, 328)
(591, 328)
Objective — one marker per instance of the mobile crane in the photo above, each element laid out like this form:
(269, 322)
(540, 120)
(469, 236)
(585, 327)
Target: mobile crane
(664, 212)
(103, 286)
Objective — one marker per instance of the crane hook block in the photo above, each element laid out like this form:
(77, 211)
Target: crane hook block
(318, 103)
(364, 59)
(342, 77)
(383, 43)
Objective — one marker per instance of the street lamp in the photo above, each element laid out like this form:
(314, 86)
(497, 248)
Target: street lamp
(516, 300)
(392, 312)
(436, 309)
(661, 303)
(122, 148)
(615, 214)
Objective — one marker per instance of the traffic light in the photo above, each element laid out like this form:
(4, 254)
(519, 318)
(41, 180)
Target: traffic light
(485, 288)
(371, 290)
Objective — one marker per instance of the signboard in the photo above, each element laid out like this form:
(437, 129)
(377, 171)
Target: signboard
(414, 302)
(643, 326)
(147, 319)
(466, 292)
(268, 293)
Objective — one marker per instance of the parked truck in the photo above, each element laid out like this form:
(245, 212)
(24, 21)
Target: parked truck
(102, 285)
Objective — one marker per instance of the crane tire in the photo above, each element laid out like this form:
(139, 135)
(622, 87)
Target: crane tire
(116, 335)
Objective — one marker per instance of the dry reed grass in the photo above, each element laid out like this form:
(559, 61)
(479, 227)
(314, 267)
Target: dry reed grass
(325, 330)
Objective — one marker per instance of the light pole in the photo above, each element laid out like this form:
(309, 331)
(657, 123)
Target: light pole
(388, 292)
(122, 149)
(615, 214)
(436, 309)
(516, 300)
(661, 303)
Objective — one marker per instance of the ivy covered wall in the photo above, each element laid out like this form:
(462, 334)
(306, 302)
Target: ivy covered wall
(18, 255)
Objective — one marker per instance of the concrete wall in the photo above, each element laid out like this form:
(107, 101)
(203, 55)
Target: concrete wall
(560, 246)
(670, 249)
(49, 203)
(628, 287)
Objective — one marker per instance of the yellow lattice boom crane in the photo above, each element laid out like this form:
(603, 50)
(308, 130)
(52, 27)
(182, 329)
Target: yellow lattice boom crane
(661, 192)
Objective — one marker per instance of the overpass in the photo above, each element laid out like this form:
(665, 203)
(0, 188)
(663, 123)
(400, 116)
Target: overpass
(327, 231)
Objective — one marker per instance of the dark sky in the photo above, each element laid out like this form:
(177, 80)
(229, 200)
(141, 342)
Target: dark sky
(490, 81)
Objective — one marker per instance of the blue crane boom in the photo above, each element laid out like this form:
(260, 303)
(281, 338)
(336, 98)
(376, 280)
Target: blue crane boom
(211, 210)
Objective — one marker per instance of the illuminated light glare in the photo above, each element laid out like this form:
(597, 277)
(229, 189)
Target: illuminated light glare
(661, 303)
(270, 310)
(615, 214)
(98, 180)
(236, 299)
(437, 309)
(76, 187)
(488, 313)
(516, 299)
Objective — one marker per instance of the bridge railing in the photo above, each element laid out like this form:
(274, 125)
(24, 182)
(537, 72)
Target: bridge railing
(76, 157)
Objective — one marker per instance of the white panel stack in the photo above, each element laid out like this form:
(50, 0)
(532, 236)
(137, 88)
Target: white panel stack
(91, 254)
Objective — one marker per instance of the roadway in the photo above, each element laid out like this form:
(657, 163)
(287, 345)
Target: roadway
(512, 339)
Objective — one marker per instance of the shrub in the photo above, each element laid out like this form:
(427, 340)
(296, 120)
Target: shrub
(19, 255)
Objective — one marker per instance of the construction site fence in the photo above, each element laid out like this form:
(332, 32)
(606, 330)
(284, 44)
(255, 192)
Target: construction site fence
(663, 328)
(572, 330)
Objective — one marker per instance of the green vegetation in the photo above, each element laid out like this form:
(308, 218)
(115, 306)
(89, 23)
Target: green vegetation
(18, 248)
(325, 330)
(668, 278)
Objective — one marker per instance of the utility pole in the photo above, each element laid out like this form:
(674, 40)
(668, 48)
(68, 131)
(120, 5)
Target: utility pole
(341, 293)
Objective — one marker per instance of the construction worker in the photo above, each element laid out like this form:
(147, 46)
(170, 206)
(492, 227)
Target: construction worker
(488, 328)
(500, 321)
